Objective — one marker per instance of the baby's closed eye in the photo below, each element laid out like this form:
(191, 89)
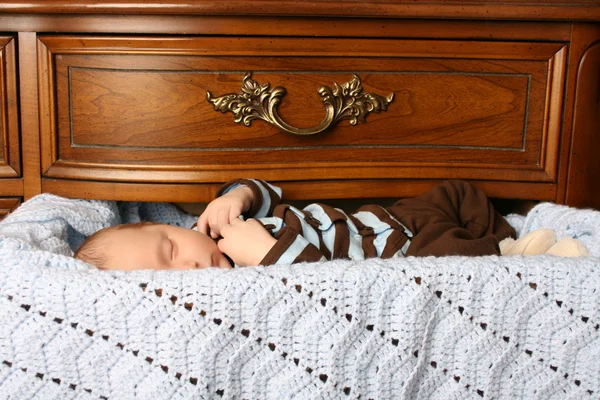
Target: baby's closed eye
(167, 250)
(174, 249)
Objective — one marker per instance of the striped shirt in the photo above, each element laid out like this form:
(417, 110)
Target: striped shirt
(319, 232)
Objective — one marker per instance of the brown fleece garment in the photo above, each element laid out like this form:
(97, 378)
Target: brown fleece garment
(453, 218)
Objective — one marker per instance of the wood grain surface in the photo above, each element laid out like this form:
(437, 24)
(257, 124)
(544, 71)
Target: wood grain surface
(108, 100)
(491, 9)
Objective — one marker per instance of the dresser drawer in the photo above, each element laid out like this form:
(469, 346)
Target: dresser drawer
(10, 164)
(136, 109)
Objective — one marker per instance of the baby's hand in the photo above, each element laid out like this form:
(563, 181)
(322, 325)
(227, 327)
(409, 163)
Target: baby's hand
(246, 242)
(224, 210)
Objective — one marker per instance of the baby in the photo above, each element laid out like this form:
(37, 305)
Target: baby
(453, 218)
(147, 245)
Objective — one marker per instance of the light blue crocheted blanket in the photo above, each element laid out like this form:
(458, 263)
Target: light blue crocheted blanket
(448, 328)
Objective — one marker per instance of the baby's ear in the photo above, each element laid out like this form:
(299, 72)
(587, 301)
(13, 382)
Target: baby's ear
(568, 247)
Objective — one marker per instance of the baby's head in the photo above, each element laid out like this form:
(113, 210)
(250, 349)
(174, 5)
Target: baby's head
(147, 245)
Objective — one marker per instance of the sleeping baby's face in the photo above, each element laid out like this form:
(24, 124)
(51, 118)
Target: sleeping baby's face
(152, 246)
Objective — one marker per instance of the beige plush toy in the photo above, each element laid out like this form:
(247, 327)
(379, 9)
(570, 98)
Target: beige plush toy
(542, 241)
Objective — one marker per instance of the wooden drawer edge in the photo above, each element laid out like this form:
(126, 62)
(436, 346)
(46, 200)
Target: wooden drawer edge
(219, 173)
(435, 9)
(295, 190)
(7, 205)
(11, 187)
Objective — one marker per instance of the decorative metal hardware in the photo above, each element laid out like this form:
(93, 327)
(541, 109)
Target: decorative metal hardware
(343, 102)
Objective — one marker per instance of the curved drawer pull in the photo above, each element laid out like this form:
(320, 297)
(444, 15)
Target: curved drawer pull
(256, 101)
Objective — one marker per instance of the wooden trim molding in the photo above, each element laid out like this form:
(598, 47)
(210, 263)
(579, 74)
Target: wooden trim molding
(586, 133)
(295, 190)
(10, 162)
(11, 187)
(8, 204)
(30, 139)
(582, 10)
(286, 26)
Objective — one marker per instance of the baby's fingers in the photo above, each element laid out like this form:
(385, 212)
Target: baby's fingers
(224, 244)
(213, 224)
(221, 219)
(202, 224)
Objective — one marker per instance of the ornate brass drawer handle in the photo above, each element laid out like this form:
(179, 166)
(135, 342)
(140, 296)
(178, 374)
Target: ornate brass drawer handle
(256, 101)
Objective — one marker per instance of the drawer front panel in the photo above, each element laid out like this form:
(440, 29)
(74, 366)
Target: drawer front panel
(10, 164)
(137, 109)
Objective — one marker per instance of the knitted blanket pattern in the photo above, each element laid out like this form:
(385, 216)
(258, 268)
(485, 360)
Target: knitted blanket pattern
(414, 328)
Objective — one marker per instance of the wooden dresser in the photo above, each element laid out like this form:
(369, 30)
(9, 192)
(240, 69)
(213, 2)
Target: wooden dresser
(138, 100)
